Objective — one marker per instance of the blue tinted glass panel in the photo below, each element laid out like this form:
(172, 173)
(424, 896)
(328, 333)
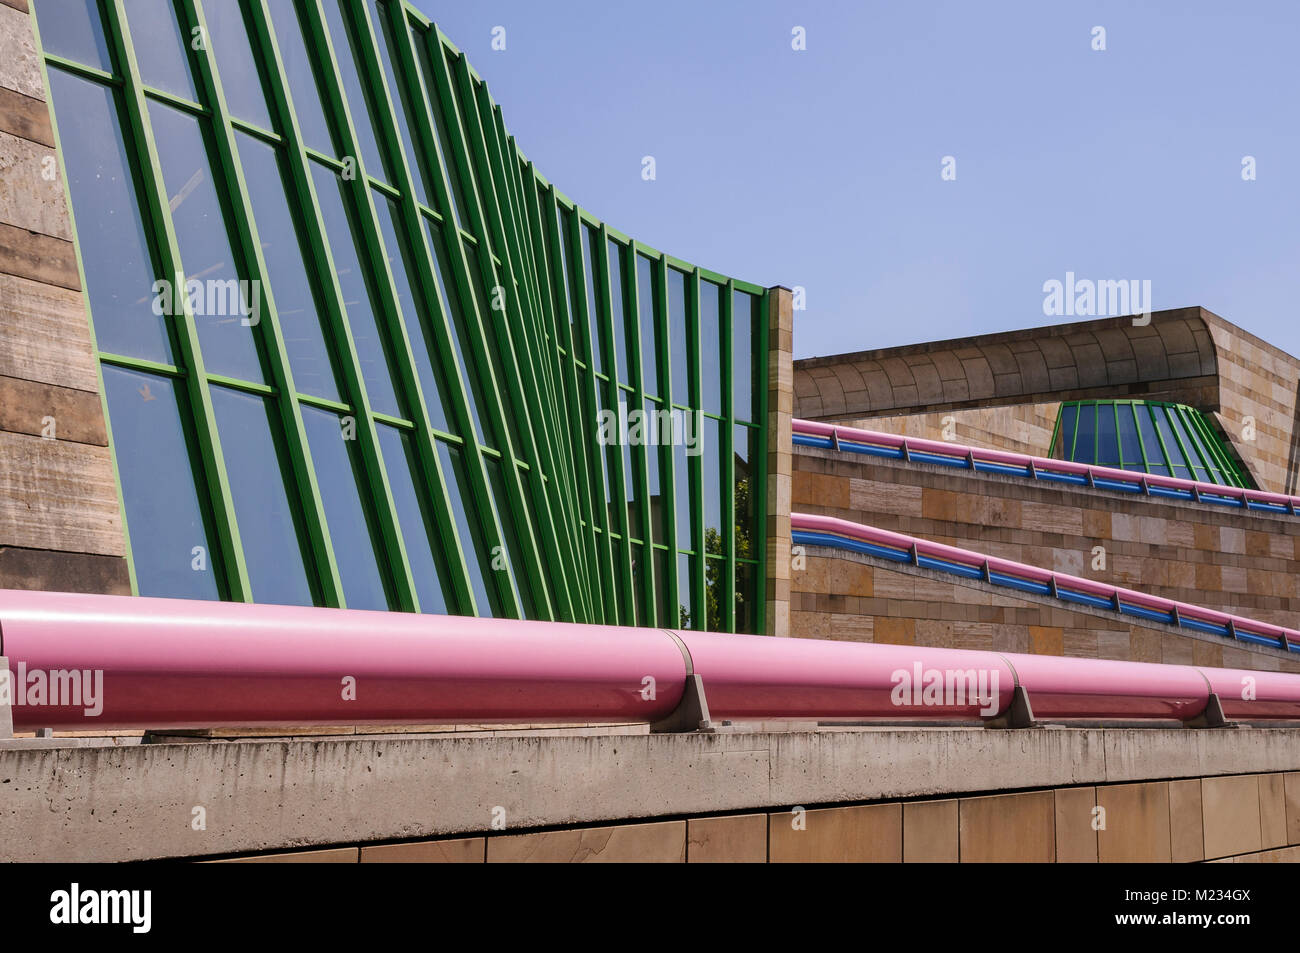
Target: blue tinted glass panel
(595, 289)
(241, 80)
(744, 382)
(515, 572)
(402, 266)
(711, 464)
(678, 338)
(302, 80)
(341, 38)
(1129, 445)
(220, 296)
(1191, 448)
(372, 348)
(354, 535)
(424, 553)
(110, 233)
(301, 323)
(456, 319)
(1107, 437)
(746, 617)
(664, 570)
(73, 29)
(261, 484)
(1177, 462)
(1069, 421)
(715, 588)
(712, 345)
(478, 560)
(682, 496)
(653, 461)
(744, 454)
(161, 50)
(442, 139)
(403, 105)
(171, 543)
(685, 610)
(647, 297)
(1086, 435)
(1150, 442)
(618, 308)
(493, 322)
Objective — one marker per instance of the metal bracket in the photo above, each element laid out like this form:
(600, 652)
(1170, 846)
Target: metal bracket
(691, 713)
(835, 438)
(1020, 714)
(1212, 717)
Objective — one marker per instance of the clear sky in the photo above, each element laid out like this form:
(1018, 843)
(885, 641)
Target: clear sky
(822, 168)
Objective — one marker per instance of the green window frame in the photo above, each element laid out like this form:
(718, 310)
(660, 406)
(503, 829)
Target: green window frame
(509, 255)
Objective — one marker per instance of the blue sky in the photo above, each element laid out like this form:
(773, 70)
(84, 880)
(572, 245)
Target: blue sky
(821, 168)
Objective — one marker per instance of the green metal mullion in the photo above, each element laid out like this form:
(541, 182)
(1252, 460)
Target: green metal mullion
(1160, 438)
(695, 466)
(1142, 444)
(1168, 410)
(758, 470)
(215, 482)
(468, 143)
(727, 466)
(1226, 464)
(605, 307)
(1056, 430)
(231, 172)
(581, 461)
(407, 66)
(667, 467)
(595, 452)
(529, 385)
(639, 459)
(550, 365)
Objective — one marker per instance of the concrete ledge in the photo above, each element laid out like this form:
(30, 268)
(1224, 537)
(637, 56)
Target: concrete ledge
(138, 802)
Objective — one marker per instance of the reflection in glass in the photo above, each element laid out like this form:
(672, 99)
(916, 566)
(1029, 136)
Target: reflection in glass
(685, 611)
(682, 497)
(372, 349)
(715, 589)
(110, 233)
(711, 468)
(663, 585)
(73, 29)
(424, 553)
(301, 323)
(301, 78)
(746, 605)
(744, 453)
(1107, 439)
(161, 51)
(261, 484)
(353, 534)
(171, 545)
(240, 79)
(225, 316)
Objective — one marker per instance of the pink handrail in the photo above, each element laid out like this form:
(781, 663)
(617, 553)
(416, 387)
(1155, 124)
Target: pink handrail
(167, 663)
(838, 527)
(836, 432)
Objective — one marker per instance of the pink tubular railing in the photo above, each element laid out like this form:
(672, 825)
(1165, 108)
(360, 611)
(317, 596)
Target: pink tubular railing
(165, 663)
(987, 565)
(1139, 482)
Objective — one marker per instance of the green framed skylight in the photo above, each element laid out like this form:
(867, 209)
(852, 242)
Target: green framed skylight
(1148, 436)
